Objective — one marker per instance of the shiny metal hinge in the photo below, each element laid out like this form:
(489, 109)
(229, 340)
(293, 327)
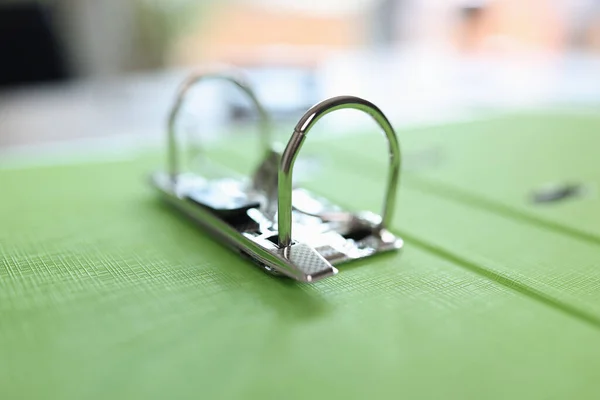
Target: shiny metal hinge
(285, 230)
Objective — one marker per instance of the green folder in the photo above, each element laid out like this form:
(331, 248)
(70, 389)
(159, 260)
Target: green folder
(105, 292)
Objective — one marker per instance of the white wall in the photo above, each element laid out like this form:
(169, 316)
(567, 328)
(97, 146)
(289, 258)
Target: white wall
(98, 35)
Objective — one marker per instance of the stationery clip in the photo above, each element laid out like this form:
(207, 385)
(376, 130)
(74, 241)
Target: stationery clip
(285, 230)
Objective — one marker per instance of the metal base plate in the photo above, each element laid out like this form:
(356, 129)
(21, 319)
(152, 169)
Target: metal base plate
(234, 213)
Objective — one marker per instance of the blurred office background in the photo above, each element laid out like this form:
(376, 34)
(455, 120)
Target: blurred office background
(92, 67)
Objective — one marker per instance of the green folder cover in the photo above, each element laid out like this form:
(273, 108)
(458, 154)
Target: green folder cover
(105, 292)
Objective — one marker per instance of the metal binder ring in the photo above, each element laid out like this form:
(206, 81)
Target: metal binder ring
(293, 147)
(229, 76)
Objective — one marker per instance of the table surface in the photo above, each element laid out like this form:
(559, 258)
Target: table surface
(107, 293)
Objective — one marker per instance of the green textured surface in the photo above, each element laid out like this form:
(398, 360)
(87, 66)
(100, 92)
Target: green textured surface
(498, 164)
(473, 202)
(106, 293)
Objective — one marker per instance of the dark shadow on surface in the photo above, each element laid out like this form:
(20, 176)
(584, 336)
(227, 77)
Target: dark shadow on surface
(29, 47)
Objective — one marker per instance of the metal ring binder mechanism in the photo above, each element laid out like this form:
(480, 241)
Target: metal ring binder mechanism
(285, 230)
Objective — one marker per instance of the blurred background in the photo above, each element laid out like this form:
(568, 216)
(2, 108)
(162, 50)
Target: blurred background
(85, 70)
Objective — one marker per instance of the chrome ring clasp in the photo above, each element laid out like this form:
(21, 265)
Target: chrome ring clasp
(288, 158)
(230, 76)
